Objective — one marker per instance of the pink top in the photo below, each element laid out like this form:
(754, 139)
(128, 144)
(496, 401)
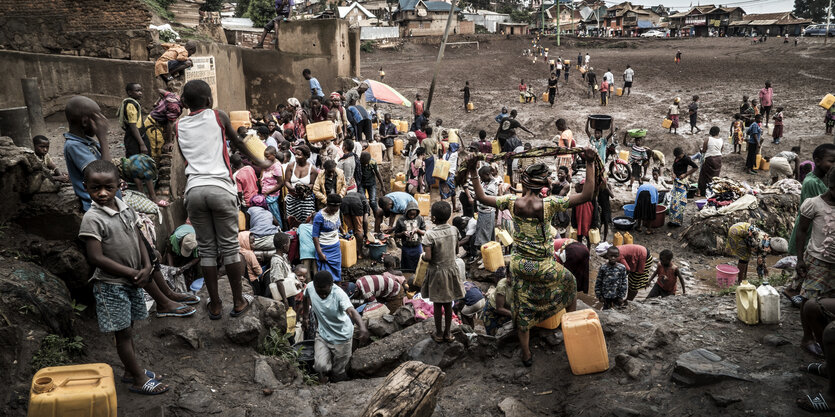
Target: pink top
(604, 86)
(766, 95)
(247, 182)
(269, 178)
(633, 257)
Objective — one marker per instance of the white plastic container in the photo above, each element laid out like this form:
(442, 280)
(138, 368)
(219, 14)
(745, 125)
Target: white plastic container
(769, 300)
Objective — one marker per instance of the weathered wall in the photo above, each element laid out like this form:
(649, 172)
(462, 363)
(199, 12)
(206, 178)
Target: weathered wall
(229, 68)
(98, 28)
(60, 77)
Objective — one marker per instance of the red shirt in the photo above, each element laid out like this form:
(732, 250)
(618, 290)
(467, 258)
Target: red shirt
(247, 182)
(420, 135)
(667, 278)
(633, 257)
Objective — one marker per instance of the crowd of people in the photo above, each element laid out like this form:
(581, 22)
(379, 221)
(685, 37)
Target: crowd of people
(280, 218)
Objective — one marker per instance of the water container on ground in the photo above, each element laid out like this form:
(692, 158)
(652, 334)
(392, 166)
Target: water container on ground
(552, 322)
(769, 304)
(618, 239)
(747, 304)
(75, 390)
(585, 345)
(628, 239)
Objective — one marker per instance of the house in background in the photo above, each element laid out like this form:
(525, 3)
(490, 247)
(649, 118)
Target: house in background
(563, 11)
(428, 18)
(774, 24)
(357, 15)
(705, 20)
(509, 28)
(486, 18)
(626, 19)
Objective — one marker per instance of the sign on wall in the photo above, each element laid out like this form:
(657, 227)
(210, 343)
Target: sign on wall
(204, 69)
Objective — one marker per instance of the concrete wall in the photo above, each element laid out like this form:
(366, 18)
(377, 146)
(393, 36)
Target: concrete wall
(60, 77)
(379, 32)
(229, 68)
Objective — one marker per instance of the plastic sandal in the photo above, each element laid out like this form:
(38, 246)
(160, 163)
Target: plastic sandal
(149, 374)
(209, 310)
(815, 405)
(249, 299)
(815, 368)
(179, 312)
(193, 299)
(163, 203)
(149, 388)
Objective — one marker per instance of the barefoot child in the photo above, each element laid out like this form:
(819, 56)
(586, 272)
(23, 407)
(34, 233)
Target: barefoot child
(667, 273)
(442, 284)
(581, 217)
(286, 281)
(41, 145)
(611, 284)
(409, 230)
(115, 248)
(672, 114)
(638, 159)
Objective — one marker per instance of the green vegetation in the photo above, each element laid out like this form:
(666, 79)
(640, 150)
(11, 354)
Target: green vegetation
(242, 8)
(481, 29)
(277, 344)
(160, 8)
(367, 46)
(57, 351)
(212, 6)
(261, 12)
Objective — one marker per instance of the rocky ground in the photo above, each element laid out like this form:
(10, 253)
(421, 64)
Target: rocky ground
(656, 367)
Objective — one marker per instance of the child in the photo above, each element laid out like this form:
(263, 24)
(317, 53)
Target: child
(466, 91)
(604, 92)
(829, 120)
(447, 188)
(638, 159)
(387, 288)
(442, 284)
(408, 230)
(678, 56)
(754, 133)
(693, 112)
(40, 144)
(582, 217)
(486, 222)
(611, 284)
(416, 175)
(370, 176)
(466, 233)
(130, 119)
(382, 74)
(816, 262)
(272, 181)
(667, 272)
(737, 133)
(672, 114)
(245, 178)
(335, 314)
(497, 311)
(777, 133)
(85, 121)
(471, 304)
(122, 264)
(286, 280)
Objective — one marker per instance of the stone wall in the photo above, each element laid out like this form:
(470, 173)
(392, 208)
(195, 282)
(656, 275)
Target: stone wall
(97, 28)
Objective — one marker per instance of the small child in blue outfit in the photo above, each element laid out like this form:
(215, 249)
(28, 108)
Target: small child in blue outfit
(115, 248)
(612, 282)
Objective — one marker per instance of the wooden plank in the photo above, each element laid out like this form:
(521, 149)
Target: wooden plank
(409, 391)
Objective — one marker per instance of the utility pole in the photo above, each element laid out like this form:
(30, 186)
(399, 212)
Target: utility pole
(828, 15)
(559, 17)
(441, 53)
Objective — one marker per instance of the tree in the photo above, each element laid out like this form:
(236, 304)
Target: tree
(261, 12)
(241, 8)
(212, 6)
(811, 9)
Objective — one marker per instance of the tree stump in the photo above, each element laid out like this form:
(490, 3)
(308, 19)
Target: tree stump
(409, 391)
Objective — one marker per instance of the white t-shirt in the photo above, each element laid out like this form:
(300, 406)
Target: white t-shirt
(470, 229)
(588, 58)
(627, 75)
(608, 76)
(714, 147)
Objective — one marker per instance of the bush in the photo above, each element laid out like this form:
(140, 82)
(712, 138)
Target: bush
(212, 6)
(277, 344)
(367, 46)
(241, 8)
(481, 29)
(57, 351)
(261, 12)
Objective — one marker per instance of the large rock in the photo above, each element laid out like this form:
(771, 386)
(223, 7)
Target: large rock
(703, 367)
(431, 352)
(264, 375)
(21, 176)
(382, 356)
(244, 330)
(511, 407)
(198, 399)
(382, 326)
(31, 290)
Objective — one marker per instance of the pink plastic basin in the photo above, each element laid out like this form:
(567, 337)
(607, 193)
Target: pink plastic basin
(726, 275)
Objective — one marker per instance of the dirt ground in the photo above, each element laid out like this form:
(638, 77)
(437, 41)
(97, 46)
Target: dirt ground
(646, 337)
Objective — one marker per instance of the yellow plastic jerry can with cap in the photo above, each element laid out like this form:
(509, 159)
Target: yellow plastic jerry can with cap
(627, 238)
(420, 272)
(348, 247)
(585, 344)
(75, 390)
(423, 203)
(747, 303)
(618, 239)
(398, 146)
(491, 254)
(594, 236)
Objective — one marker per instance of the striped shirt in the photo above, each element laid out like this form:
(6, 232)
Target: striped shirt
(637, 154)
(379, 286)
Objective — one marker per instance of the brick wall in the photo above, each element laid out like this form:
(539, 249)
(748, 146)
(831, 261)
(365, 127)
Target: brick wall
(99, 28)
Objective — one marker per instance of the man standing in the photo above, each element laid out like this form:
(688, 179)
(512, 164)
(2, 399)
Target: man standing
(336, 317)
(610, 78)
(315, 87)
(388, 131)
(627, 79)
(591, 78)
(283, 10)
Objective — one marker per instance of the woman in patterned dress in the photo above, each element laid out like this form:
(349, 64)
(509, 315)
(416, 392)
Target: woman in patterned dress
(541, 286)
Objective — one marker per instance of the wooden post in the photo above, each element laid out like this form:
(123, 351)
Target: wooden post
(411, 390)
(440, 54)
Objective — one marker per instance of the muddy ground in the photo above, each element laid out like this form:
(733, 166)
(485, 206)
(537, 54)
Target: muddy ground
(217, 378)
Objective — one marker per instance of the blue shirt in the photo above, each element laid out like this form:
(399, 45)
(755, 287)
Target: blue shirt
(261, 222)
(754, 132)
(653, 193)
(501, 117)
(79, 152)
(357, 114)
(600, 145)
(472, 294)
(315, 88)
(335, 325)
(400, 200)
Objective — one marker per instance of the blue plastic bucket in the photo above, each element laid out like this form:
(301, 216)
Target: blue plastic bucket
(629, 210)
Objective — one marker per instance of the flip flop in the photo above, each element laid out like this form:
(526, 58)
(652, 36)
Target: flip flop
(815, 405)
(149, 374)
(178, 312)
(249, 299)
(449, 339)
(437, 338)
(149, 388)
(814, 349)
(211, 315)
(815, 368)
(193, 299)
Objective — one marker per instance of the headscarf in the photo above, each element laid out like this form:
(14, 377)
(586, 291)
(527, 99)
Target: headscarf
(453, 147)
(258, 200)
(294, 102)
(335, 96)
(535, 177)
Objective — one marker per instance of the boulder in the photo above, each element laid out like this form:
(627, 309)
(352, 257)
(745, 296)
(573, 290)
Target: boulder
(274, 313)
(382, 326)
(28, 289)
(264, 375)
(404, 316)
(244, 330)
(441, 355)
(511, 407)
(382, 356)
(703, 367)
(775, 340)
(190, 337)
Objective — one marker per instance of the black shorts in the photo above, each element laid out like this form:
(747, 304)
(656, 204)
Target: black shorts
(278, 19)
(627, 84)
(766, 109)
(355, 204)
